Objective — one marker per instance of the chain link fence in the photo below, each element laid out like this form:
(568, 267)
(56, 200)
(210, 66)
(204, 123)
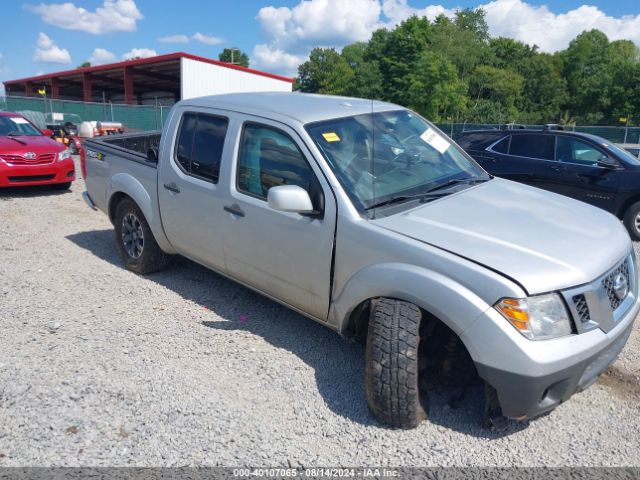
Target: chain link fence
(612, 134)
(132, 117)
(152, 117)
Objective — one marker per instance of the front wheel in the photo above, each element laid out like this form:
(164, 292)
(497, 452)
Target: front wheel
(134, 239)
(392, 369)
(632, 221)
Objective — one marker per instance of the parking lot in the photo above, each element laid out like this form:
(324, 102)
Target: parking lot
(99, 366)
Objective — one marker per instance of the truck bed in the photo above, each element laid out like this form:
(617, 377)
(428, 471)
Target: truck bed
(133, 146)
(117, 162)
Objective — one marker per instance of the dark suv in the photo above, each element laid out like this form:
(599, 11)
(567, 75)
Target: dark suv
(579, 165)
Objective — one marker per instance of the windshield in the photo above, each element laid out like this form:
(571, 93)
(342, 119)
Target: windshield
(379, 157)
(621, 152)
(17, 126)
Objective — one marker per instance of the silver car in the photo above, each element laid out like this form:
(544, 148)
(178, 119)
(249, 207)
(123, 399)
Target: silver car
(366, 218)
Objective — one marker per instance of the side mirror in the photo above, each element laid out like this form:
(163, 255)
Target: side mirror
(47, 132)
(290, 198)
(152, 155)
(607, 162)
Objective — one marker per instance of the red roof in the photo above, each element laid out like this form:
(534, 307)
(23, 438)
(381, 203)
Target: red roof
(148, 60)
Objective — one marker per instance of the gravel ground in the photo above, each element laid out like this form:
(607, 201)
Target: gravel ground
(101, 367)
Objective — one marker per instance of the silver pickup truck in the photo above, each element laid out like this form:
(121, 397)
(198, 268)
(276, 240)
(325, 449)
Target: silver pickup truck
(366, 218)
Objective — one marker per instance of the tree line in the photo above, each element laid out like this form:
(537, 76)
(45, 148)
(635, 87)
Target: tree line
(452, 70)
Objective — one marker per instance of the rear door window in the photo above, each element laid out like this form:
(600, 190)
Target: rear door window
(532, 146)
(199, 146)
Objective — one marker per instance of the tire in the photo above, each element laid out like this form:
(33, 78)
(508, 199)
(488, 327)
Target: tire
(135, 241)
(62, 186)
(632, 221)
(391, 367)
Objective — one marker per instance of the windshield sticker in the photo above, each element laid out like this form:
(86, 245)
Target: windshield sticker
(19, 120)
(435, 140)
(331, 137)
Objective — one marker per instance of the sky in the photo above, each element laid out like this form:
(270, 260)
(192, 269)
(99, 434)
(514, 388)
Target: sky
(47, 36)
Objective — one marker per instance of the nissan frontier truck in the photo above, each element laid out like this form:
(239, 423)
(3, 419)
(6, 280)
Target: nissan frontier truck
(366, 218)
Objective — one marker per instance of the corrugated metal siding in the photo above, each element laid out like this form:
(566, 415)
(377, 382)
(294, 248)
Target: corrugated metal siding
(200, 79)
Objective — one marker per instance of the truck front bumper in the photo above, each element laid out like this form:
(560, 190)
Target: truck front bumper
(525, 396)
(533, 377)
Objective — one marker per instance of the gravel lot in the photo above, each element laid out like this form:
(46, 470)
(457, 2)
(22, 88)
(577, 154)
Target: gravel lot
(99, 366)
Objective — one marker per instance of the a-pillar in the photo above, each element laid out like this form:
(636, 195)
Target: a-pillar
(55, 89)
(128, 85)
(86, 87)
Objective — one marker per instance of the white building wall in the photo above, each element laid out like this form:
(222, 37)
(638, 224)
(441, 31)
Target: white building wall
(200, 79)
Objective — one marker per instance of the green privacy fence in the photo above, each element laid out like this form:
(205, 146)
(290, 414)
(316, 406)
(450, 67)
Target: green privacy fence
(152, 117)
(133, 117)
(613, 134)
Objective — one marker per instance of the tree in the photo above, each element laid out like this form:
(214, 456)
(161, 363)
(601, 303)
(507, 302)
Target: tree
(501, 88)
(233, 55)
(365, 80)
(399, 54)
(435, 90)
(543, 89)
(589, 78)
(326, 71)
(462, 41)
(84, 65)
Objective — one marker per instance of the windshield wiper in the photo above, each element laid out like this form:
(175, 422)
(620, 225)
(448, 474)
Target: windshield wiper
(456, 181)
(429, 194)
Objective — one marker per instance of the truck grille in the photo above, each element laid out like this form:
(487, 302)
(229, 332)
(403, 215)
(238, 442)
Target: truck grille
(20, 160)
(609, 281)
(582, 308)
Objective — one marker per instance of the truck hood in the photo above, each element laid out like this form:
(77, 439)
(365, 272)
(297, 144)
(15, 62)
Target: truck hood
(541, 240)
(37, 144)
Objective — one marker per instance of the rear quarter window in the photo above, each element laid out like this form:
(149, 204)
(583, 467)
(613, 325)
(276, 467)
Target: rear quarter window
(477, 141)
(533, 146)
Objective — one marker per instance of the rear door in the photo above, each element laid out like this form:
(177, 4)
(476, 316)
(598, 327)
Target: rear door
(286, 255)
(531, 160)
(188, 186)
(581, 176)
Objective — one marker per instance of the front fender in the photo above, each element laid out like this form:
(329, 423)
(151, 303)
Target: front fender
(129, 185)
(455, 305)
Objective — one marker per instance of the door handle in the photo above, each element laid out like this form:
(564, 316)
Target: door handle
(234, 210)
(172, 187)
(557, 169)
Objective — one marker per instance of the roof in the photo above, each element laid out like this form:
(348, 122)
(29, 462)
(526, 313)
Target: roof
(520, 131)
(147, 61)
(10, 114)
(303, 107)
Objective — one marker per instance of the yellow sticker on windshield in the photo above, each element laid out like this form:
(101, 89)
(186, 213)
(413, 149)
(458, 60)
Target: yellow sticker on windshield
(331, 137)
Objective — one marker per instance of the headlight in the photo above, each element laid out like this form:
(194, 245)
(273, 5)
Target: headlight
(64, 154)
(538, 318)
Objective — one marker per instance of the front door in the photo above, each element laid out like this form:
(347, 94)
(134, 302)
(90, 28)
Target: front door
(286, 255)
(188, 191)
(582, 177)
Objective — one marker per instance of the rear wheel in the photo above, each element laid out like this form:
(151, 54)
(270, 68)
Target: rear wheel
(134, 239)
(632, 221)
(392, 369)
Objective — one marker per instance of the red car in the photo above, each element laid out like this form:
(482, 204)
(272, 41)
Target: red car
(29, 156)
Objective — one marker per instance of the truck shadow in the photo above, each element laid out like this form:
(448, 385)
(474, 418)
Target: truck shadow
(338, 364)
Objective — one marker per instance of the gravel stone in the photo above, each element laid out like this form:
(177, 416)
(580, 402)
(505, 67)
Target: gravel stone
(184, 367)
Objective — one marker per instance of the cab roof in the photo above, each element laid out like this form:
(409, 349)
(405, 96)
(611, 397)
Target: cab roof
(302, 107)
